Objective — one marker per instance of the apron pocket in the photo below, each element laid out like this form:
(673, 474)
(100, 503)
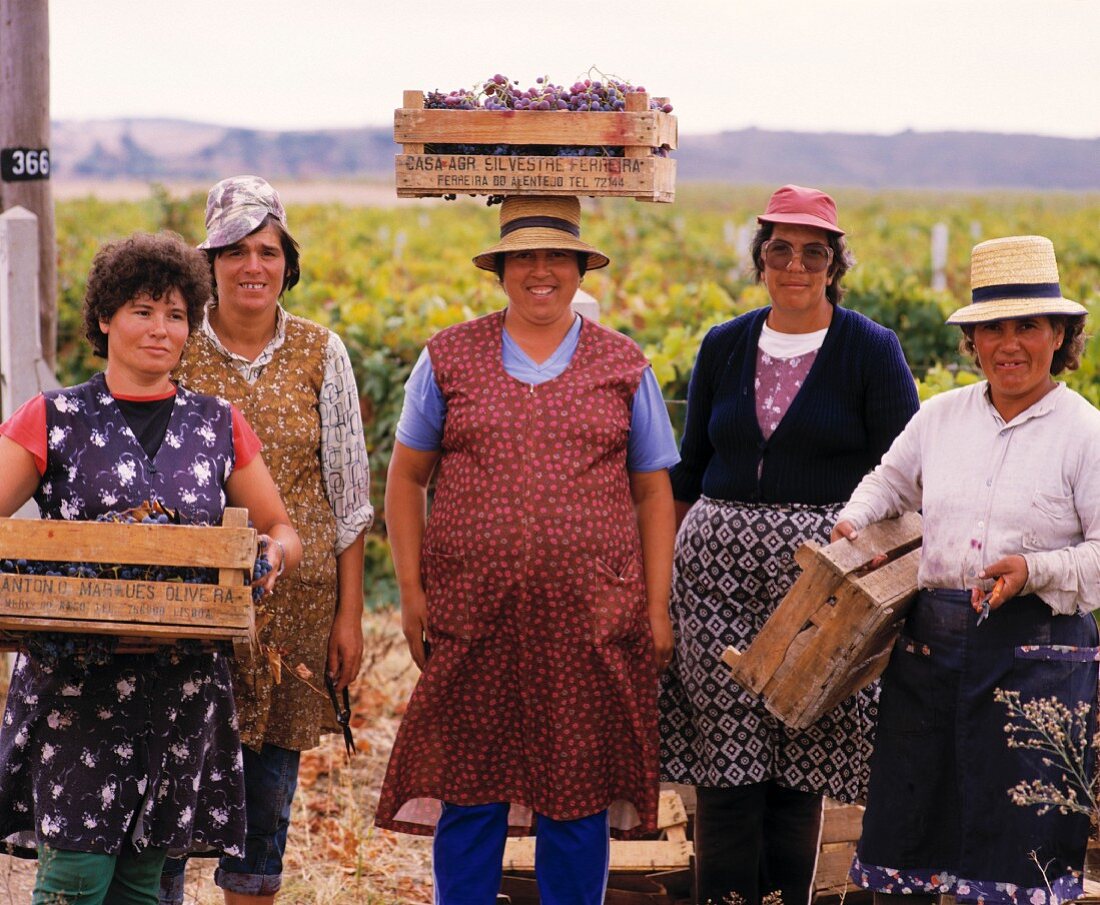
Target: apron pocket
(463, 602)
(617, 599)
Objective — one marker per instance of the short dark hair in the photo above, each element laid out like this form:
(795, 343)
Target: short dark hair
(1067, 357)
(842, 259)
(143, 264)
(498, 263)
(291, 254)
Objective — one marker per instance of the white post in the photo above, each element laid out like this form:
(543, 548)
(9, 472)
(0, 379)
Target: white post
(20, 346)
(939, 257)
(586, 305)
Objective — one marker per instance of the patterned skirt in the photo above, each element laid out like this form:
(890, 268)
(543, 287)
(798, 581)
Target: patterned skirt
(734, 563)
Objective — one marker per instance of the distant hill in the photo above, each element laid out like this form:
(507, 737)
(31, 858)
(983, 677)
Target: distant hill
(177, 150)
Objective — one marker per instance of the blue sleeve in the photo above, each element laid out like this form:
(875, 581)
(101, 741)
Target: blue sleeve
(890, 395)
(651, 445)
(424, 410)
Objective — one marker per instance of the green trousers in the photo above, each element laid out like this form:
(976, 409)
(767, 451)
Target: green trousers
(89, 878)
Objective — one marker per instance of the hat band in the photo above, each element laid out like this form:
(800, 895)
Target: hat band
(1017, 291)
(540, 222)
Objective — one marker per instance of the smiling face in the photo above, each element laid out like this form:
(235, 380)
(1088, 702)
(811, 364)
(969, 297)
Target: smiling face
(1015, 356)
(798, 297)
(540, 285)
(250, 273)
(145, 338)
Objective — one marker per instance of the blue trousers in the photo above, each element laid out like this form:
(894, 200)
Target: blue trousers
(571, 856)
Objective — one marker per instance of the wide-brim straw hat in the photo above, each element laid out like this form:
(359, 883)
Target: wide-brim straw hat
(1016, 276)
(534, 222)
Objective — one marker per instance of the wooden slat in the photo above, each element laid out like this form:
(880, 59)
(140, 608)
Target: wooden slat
(55, 540)
(832, 870)
(842, 824)
(164, 603)
(896, 534)
(670, 809)
(412, 100)
(519, 855)
(649, 128)
(234, 517)
(427, 175)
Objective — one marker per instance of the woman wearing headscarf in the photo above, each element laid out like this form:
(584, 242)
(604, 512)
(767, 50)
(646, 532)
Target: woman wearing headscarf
(535, 594)
(293, 380)
(1006, 474)
(788, 407)
(108, 761)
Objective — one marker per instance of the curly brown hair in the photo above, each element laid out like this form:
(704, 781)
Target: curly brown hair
(842, 262)
(143, 264)
(1067, 357)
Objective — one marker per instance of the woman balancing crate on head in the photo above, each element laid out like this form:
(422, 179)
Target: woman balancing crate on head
(534, 596)
(107, 765)
(1006, 474)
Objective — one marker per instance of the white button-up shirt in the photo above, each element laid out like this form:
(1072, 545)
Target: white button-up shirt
(988, 489)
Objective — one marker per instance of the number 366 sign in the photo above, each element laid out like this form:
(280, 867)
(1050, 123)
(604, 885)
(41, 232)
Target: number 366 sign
(22, 164)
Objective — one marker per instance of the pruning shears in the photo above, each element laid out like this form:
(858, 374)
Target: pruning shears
(993, 596)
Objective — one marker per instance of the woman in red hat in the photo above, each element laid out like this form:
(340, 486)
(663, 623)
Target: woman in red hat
(788, 407)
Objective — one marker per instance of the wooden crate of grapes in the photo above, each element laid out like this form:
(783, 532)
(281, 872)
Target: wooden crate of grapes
(44, 585)
(536, 151)
(832, 634)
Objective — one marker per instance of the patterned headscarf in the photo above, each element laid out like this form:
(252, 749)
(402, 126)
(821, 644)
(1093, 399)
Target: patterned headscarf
(238, 205)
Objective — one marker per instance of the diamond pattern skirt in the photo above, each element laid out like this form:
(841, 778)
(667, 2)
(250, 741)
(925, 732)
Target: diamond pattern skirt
(734, 563)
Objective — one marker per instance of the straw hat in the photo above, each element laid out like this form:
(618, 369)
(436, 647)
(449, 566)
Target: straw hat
(530, 223)
(1014, 277)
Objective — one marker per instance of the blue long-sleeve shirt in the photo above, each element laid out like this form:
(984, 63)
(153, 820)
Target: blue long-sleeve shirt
(857, 397)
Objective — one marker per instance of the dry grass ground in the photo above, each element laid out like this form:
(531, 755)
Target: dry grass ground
(335, 855)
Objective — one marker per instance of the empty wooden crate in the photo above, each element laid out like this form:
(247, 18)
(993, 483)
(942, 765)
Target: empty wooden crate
(642, 172)
(831, 635)
(141, 613)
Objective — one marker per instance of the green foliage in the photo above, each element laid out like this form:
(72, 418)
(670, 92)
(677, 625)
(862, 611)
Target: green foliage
(387, 279)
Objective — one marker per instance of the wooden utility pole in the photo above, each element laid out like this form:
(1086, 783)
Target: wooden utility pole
(25, 141)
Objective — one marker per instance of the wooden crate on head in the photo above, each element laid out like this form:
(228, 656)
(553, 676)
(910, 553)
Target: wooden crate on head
(642, 172)
(832, 634)
(142, 614)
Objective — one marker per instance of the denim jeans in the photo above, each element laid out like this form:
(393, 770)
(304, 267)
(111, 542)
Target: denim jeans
(270, 780)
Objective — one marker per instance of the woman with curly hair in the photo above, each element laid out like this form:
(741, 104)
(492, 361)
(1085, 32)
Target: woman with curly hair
(108, 760)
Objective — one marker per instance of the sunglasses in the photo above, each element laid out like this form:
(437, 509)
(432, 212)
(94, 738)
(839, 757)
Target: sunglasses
(778, 255)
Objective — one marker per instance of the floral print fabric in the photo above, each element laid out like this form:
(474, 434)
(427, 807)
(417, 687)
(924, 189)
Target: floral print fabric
(541, 688)
(283, 406)
(144, 750)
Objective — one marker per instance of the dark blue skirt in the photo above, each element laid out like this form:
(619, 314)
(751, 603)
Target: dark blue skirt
(939, 816)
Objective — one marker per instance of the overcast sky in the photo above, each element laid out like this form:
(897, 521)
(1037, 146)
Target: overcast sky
(808, 65)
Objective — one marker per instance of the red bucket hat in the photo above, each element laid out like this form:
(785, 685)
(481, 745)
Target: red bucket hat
(801, 206)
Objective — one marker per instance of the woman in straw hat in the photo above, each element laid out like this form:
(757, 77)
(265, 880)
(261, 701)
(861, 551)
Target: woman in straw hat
(535, 595)
(788, 407)
(294, 381)
(1007, 475)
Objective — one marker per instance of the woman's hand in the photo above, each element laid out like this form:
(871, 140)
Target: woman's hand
(345, 647)
(843, 529)
(1013, 570)
(663, 642)
(414, 624)
(276, 557)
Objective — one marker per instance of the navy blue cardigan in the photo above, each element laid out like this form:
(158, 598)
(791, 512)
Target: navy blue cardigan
(857, 397)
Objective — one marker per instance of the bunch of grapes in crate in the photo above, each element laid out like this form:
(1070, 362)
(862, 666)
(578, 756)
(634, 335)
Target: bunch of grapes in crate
(93, 650)
(606, 94)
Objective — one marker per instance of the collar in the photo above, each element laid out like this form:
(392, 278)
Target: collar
(268, 351)
(1044, 406)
